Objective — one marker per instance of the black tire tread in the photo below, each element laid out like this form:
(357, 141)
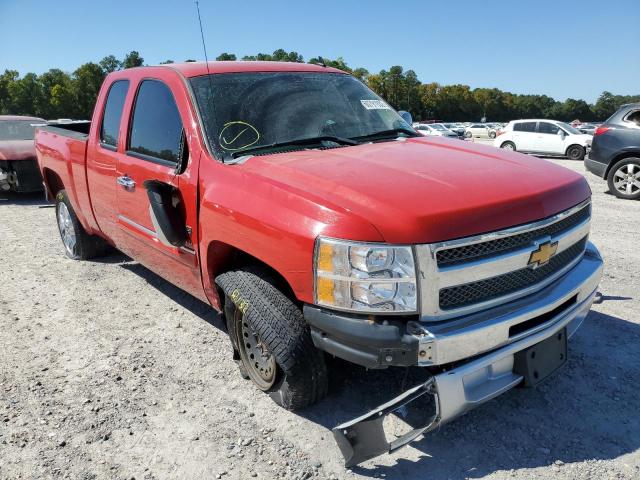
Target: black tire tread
(280, 324)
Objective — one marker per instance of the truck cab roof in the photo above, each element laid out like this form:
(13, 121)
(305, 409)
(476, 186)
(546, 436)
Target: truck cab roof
(195, 69)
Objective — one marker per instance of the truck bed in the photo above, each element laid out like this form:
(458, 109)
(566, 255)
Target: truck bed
(61, 150)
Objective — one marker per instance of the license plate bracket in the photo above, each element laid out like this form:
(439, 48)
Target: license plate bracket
(540, 361)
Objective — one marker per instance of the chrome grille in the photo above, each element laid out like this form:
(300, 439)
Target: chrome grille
(467, 275)
(477, 251)
(470, 293)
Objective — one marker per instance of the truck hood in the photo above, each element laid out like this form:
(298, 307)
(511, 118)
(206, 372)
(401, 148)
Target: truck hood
(422, 190)
(17, 150)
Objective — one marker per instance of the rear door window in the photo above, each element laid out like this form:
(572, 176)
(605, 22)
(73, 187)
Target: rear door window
(110, 127)
(634, 118)
(525, 127)
(548, 128)
(156, 128)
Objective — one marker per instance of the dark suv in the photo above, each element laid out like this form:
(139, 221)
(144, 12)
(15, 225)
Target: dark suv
(615, 152)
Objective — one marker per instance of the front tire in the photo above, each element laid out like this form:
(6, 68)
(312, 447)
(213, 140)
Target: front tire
(78, 244)
(575, 152)
(272, 340)
(624, 179)
(468, 134)
(509, 146)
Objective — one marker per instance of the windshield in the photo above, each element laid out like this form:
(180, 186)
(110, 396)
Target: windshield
(438, 127)
(17, 129)
(569, 128)
(243, 111)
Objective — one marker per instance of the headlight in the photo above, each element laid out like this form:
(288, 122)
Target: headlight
(365, 277)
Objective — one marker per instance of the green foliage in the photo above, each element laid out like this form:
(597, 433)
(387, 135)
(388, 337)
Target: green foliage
(226, 57)
(132, 59)
(57, 94)
(110, 64)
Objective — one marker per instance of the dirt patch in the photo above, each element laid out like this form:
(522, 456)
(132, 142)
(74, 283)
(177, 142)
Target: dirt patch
(108, 371)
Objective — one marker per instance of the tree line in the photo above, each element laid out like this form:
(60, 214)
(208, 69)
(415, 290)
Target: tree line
(58, 94)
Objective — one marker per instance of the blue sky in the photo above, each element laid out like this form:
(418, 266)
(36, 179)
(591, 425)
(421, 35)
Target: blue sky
(559, 48)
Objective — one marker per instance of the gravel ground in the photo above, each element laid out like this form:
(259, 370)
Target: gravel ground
(108, 371)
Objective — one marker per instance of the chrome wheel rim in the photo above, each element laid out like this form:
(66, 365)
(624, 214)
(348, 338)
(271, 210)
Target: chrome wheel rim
(626, 179)
(260, 363)
(67, 232)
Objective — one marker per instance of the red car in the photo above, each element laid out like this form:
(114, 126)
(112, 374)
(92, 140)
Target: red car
(18, 165)
(318, 222)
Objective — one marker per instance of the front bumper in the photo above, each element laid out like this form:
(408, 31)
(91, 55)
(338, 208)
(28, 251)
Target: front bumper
(490, 339)
(381, 342)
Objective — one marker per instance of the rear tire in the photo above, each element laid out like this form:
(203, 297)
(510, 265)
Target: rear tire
(468, 134)
(575, 152)
(624, 179)
(509, 146)
(78, 244)
(492, 134)
(272, 340)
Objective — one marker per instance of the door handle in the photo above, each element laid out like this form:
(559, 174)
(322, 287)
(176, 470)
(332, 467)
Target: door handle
(126, 181)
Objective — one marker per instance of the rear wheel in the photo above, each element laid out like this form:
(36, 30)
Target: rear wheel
(575, 152)
(624, 179)
(492, 134)
(509, 146)
(272, 341)
(468, 134)
(78, 244)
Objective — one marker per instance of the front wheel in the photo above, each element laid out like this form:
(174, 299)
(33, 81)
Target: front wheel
(78, 244)
(575, 152)
(272, 340)
(509, 146)
(624, 179)
(468, 134)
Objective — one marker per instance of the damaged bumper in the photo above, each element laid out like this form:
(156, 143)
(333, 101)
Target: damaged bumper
(464, 384)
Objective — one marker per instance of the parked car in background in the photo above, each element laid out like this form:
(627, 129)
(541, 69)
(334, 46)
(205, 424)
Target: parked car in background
(480, 130)
(544, 137)
(18, 165)
(436, 130)
(615, 152)
(457, 128)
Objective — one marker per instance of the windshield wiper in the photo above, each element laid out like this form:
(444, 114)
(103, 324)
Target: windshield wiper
(384, 134)
(299, 141)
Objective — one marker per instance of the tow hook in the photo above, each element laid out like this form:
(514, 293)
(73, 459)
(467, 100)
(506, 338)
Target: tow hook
(364, 437)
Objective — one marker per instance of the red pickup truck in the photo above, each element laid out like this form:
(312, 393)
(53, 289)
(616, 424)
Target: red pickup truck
(317, 221)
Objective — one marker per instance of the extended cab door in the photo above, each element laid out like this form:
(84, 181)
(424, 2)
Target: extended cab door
(157, 150)
(102, 157)
(549, 139)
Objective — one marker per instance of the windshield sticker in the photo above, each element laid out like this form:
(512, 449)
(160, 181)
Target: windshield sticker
(375, 105)
(238, 135)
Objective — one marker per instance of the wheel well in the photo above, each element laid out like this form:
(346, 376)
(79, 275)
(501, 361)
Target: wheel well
(53, 181)
(222, 257)
(505, 142)
(619, 158)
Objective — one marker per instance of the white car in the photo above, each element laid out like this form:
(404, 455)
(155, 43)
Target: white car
(435, 129)
(480, 130)
(544, 137)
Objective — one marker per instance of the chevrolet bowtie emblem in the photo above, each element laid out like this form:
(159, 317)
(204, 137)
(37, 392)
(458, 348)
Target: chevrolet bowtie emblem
(543, 254)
